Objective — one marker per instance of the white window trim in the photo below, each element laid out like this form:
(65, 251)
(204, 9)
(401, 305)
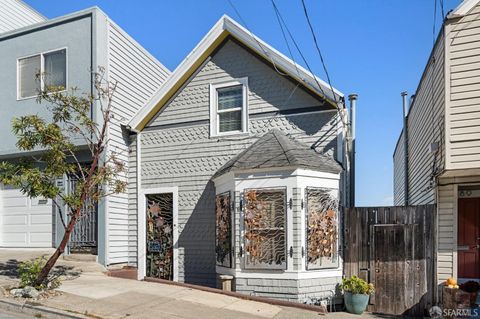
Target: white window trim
(42, 69)
(214, 123)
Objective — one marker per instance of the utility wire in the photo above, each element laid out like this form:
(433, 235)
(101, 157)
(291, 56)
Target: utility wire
(443, 10)
(298, 48)
(286, 40)
(305, 11)
(254, 38)
(282, 21)
(434, 19)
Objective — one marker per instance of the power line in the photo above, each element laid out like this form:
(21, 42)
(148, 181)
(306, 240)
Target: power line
(443, 10)
(434, 19)
(286, 40)
(282, 21)
(254, 38)
(298, 48)
(319, 51)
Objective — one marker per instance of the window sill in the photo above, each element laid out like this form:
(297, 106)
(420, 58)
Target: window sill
(36, 96)
(232, 134)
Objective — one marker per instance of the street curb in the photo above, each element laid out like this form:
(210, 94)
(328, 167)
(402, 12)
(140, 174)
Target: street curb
(34, 310)
(321, 310)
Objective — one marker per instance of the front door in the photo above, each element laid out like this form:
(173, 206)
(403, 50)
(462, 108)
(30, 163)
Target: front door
(468, 248)
(160, 241)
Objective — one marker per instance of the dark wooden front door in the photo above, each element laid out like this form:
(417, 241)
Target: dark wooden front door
(468, 246)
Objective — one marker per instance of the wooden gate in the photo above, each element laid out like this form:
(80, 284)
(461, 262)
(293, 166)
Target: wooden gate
(393, 248)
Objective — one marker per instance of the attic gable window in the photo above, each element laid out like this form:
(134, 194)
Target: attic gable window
(228, 107)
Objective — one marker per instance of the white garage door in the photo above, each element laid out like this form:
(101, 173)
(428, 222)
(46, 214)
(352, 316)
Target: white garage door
(24, 221)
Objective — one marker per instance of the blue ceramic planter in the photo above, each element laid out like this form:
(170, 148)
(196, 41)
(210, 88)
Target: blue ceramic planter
(356, 303)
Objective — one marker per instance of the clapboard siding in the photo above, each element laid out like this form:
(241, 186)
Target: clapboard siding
(463, 115)
(426, 126)
(15, 14)
(138, 76)
(184, 155)
(399, 173)
(445, 209)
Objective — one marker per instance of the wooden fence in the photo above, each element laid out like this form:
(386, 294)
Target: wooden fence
(393, 248)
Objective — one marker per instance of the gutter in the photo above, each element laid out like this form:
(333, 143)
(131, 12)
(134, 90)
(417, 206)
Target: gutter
(405, 146)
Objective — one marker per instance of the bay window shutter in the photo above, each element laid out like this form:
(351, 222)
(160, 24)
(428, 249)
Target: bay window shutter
(321, 228)
(223, 230)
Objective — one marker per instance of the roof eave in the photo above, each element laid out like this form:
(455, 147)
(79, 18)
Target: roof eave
(463, 9)
(223, 28)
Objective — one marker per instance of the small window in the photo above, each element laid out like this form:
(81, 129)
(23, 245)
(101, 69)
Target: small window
(265, 218)
(28, 71)
(42, 71)
(228, 108)
(55, 72)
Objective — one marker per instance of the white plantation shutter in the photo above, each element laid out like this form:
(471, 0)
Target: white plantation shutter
(28, 69)
(55, 69)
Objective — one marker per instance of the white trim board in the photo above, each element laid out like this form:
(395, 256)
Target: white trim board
(142, 247)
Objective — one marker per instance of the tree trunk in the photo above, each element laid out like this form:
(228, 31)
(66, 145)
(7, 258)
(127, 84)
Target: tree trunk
(42, 277)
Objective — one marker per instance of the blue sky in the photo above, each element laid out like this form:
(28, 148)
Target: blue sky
(376, 48)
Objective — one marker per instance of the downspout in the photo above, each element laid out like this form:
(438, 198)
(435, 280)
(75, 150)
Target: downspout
(405, 146)
(353, 105)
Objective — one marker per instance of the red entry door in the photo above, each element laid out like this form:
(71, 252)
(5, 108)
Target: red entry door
(469, 238)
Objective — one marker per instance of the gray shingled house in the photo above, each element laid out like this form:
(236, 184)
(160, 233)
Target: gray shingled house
(238, 167)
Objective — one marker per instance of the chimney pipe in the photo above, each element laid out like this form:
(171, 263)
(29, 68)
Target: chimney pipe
(353, 105)
(405, 145)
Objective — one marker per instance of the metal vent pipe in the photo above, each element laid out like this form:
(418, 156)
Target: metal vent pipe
(405, 145)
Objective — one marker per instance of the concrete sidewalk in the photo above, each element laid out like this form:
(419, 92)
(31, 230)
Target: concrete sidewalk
(93, 294)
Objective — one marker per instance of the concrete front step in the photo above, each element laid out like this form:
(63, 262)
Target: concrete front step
(80, 257)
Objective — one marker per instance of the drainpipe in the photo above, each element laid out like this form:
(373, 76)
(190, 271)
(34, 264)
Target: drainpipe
(405, 145)
(353, 105)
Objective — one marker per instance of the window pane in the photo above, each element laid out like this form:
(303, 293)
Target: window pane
(223, 236)
(28, 70)
(230, 121)
(230, 97)
(322, 228)
(55, 72)
(265, 231)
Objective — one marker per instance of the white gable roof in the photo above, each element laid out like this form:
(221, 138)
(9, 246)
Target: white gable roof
(463, 8)
(224, 27)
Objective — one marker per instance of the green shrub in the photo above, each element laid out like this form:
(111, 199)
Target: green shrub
(357, 285)
(29, 270)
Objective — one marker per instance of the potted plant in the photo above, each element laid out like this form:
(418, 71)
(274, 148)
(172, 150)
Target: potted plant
(356, 294)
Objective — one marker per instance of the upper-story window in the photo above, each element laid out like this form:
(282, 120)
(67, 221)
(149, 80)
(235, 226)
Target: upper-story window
(228, 107)
(41, 71)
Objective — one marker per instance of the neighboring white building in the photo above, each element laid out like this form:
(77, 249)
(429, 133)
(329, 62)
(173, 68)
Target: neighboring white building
(443, 144)
(16, 14)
